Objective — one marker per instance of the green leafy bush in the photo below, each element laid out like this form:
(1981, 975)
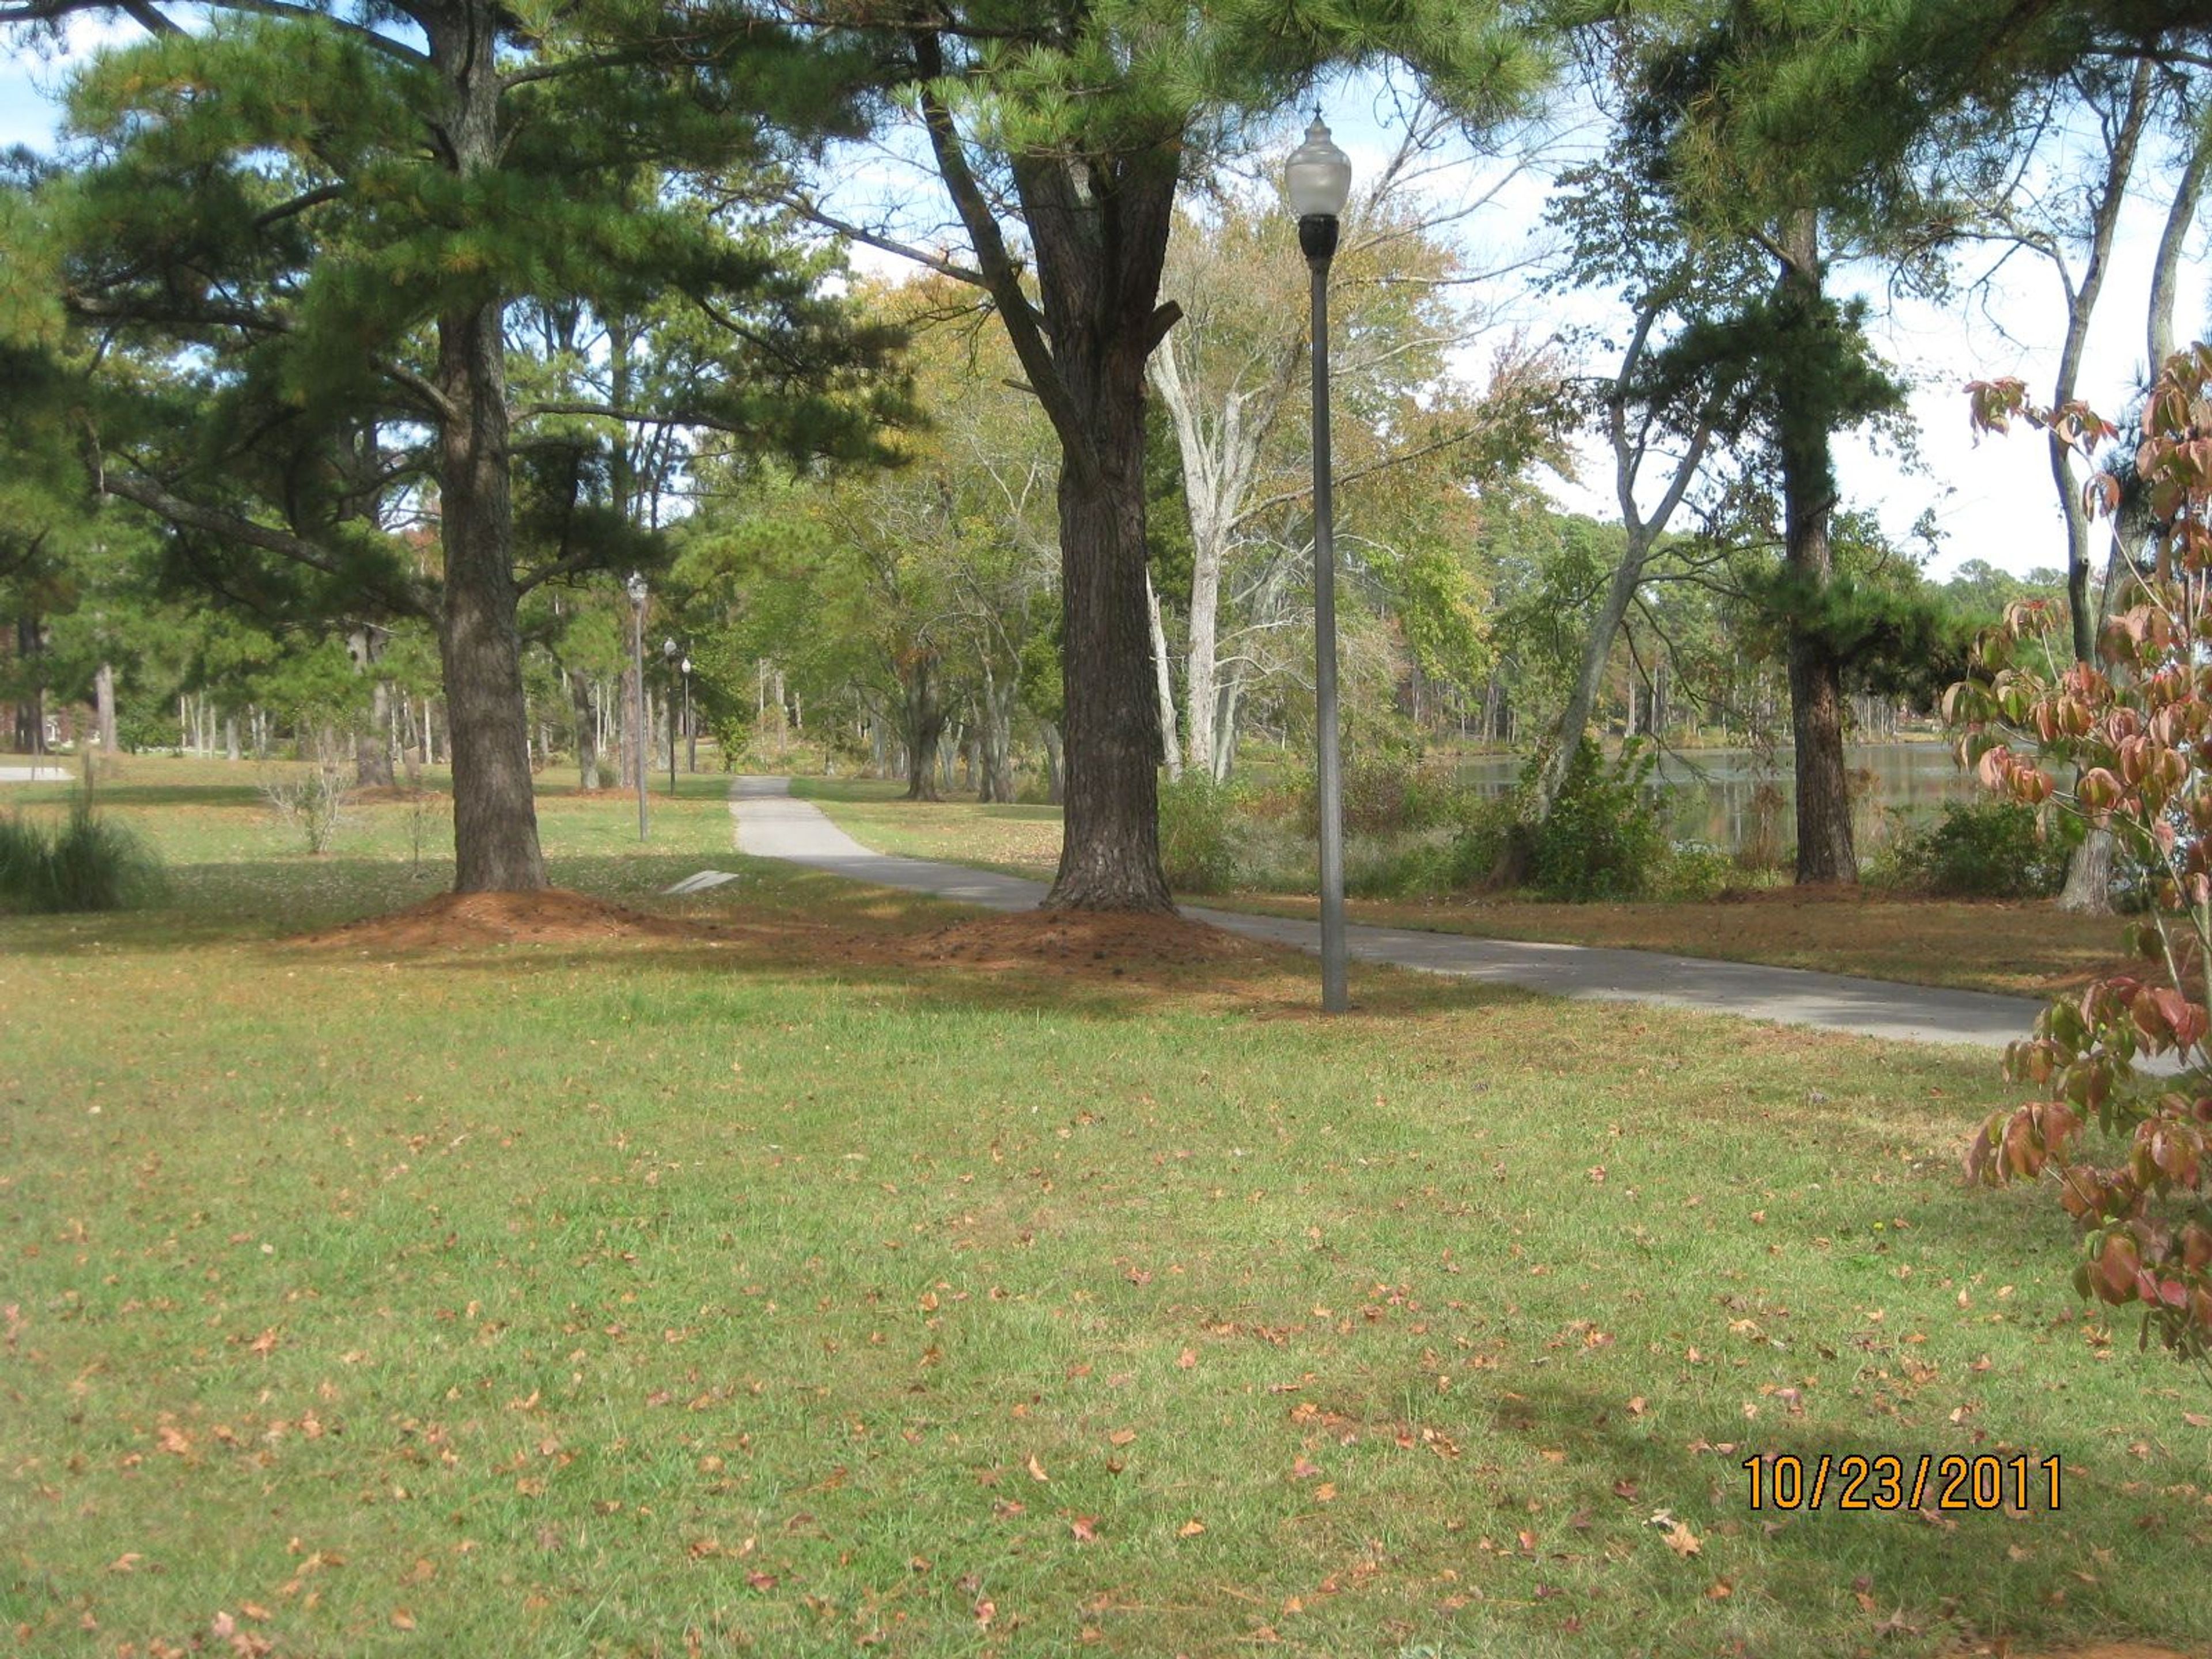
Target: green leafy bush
(1389, 787)
(85, 863)
(1198, 849)
(1982, 849)
(1693, 872)
(1603, 839)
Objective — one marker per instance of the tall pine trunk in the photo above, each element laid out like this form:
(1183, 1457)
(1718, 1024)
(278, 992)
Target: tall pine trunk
(1097, 228)
(1808, 497)
(495, 847)
(1109, 855)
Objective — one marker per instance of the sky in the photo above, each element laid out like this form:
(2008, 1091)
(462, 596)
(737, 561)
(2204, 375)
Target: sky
(1991, 499)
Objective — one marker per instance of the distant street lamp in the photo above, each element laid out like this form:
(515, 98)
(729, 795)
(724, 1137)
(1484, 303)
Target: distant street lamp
(637, 589)
(1319, 182)
(669, 651)
(691, 733)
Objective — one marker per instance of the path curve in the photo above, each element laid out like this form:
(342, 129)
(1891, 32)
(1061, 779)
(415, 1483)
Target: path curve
(773, 823)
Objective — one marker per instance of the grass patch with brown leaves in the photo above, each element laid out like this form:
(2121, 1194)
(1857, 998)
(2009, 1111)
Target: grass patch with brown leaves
(820, 1268)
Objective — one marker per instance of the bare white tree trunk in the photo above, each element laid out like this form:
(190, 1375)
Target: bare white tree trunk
(1170, 751)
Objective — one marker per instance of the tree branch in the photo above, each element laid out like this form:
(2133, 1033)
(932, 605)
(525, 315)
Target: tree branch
(411, 597)
(1024, 328)
(807, 209)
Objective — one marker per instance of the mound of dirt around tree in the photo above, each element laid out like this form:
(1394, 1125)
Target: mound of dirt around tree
(1084, 943)
(552, 916)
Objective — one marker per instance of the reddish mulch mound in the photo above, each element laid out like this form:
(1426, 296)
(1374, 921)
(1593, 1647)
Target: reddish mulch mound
(1061, 943)
(1080, 942)
(553, 916)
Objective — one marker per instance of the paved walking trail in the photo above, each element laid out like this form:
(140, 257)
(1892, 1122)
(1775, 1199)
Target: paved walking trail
(772, 823)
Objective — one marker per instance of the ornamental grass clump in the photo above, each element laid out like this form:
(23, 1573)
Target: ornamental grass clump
(88, 862)
(2123, 743)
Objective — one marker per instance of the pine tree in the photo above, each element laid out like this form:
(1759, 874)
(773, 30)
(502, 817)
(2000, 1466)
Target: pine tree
(304, 228)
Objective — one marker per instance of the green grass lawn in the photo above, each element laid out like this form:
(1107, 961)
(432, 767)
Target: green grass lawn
(783, 1292)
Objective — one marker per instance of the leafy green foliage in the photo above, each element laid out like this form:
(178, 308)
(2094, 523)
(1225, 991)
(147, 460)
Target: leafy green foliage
(2130, 733)
(1983, 849)
(1197, 833)
(1603, 838)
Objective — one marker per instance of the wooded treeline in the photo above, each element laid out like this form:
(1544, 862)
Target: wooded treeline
(357, 355)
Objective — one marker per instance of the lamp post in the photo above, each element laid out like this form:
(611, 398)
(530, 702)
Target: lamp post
(670, 651)
(1319, 181)
(635, 587)
(691, 735)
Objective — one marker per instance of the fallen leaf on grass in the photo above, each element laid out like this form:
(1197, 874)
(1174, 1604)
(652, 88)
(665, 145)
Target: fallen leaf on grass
(1304, 1469)
(402, 1619)
(1121, 1437)
(1036, 1469)
(1190, 1528)
(1187, 1359)
(1085, 1528)
(1683, 1541)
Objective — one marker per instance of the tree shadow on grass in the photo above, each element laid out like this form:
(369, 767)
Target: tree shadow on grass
(2036, 1578)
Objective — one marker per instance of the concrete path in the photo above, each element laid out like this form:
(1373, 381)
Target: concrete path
(771, 823)
(35, 775)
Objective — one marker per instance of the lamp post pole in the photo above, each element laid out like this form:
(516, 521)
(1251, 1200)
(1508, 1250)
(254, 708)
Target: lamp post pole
(690, 736)
(642, 746)
(1319, 181)
(670, 651)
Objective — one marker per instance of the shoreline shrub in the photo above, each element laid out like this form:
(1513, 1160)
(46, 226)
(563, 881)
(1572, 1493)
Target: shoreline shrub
(1980, 850)
(1198, 845)
(1603, 839)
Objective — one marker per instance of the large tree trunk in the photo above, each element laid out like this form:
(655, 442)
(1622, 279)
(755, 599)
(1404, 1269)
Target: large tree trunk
(1808, 496)
(495, 815)
(1109, 855)
(372, 749)
(998, 739)
(30, 736)
(495, 846)
(921, 723)
(103, 692)
(1098, 235)
(581, 687)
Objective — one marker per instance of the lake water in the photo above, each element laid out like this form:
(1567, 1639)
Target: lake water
(1727, 797)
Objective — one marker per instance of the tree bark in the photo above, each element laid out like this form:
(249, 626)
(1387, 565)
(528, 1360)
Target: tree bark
(1170, 752)
(103, 692)
(1098, 236)
(1808, 492)
(998, 737)
(921, 723)
(580, 689)
(2166, 268)
(495, 847)
(31, 716)
(372, 749)
(1056, 773)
